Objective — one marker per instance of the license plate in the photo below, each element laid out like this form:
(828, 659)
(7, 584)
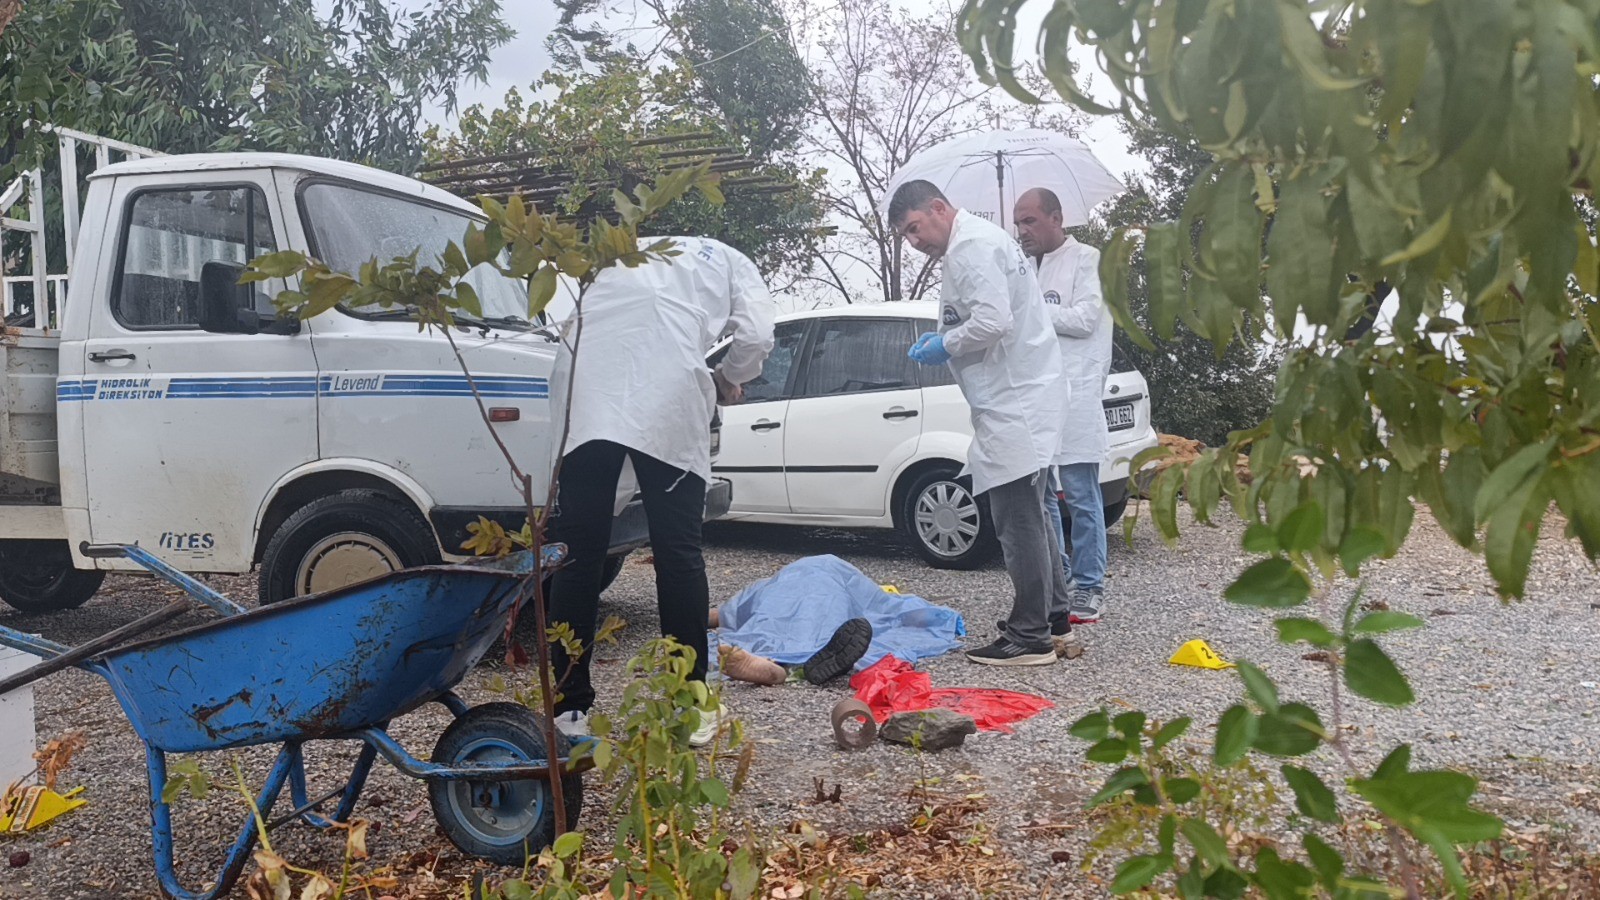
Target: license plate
(1119, 417)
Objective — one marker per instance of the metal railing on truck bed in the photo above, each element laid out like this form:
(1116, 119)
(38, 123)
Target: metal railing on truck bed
(35, 297)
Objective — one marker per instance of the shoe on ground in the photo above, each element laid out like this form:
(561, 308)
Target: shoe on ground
(1068, 646)
(742, 665)
(1004, 653)
(573, 724)
(842, 652)
(710, 723)
(1088, 605)
(1059, 624)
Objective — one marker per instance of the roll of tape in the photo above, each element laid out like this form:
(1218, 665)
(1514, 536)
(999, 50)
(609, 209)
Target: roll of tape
(853, 725)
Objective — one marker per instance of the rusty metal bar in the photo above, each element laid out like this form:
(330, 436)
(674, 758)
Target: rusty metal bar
(99, 645)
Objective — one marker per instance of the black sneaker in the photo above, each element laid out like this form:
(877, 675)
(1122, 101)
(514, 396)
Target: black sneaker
(1005, 653)
(842, 651)
(1060, 624)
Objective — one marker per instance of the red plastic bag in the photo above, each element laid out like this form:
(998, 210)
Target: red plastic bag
(891, 685)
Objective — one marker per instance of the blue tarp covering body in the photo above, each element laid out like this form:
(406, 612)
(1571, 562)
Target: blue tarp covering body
(789, 616)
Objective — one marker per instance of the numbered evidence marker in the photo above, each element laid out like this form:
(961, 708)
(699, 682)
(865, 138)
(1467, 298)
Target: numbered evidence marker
(1199, 654)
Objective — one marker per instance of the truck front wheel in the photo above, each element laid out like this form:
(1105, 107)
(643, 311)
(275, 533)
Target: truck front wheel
(341, 539)
(38, 577)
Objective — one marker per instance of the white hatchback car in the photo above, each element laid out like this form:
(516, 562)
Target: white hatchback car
(842, 430)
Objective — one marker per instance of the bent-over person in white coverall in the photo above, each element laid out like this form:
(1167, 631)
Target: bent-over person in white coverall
(642, 393)
(1069, 275)
(996, 337)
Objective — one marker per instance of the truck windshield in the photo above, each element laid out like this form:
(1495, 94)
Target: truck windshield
(350, 226)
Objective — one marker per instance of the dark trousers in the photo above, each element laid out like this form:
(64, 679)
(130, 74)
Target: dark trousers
(675, 506)
(1032, 559)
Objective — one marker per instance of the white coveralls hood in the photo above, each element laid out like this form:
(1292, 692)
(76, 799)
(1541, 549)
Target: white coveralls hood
(641, 378)
(1003, 353)
(1070, 278)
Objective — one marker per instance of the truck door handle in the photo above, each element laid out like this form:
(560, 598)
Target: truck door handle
(765, 426)
(110, 355)
(900, 414)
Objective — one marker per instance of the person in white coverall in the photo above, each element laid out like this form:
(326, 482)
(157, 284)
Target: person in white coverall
(641, 392)
(1069, 275)
(996, 337)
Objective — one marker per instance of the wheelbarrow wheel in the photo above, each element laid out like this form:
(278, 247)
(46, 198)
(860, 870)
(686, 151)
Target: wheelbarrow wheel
(504, 822)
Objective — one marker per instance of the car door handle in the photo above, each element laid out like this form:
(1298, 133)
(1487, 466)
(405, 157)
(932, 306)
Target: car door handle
(765, 426)
(900, 414)
(110, 355)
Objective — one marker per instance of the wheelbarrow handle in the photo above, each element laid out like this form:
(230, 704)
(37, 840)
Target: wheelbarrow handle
(163, 571)
(97, 646)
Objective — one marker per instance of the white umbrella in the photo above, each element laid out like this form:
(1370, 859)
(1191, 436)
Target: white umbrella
(984, 172)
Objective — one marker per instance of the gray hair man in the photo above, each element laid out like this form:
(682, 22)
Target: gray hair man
(996, 338)
(1069, 274)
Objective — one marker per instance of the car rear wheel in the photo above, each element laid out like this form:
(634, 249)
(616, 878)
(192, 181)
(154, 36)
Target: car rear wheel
(948, 526)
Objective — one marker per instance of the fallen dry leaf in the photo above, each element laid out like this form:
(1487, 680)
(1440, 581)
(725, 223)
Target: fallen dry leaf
(56, 756)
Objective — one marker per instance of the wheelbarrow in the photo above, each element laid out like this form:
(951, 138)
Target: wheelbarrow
(335, 666)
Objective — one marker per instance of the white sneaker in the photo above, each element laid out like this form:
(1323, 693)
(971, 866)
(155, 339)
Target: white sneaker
(573, 724)
(710, 723)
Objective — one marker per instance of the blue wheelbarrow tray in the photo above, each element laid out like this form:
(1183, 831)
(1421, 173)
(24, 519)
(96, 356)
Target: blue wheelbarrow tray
(340, 666)
(313, 666)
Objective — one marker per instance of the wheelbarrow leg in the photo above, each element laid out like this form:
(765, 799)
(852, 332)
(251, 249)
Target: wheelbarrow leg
(238, 854)
(351, 790)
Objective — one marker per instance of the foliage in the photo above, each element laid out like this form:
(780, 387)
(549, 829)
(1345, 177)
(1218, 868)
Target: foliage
(274, 876)
(189, 76)
(670, 840)
(1439, 149)
(590, 125)
(1193, 392)
(1203, 822)
(887, 84)
(743, 67)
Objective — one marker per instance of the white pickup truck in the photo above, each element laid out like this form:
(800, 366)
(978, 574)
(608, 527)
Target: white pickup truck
(172, 409)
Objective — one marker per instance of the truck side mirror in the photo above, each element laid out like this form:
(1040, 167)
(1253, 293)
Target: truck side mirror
(228, 307)
(222, 298)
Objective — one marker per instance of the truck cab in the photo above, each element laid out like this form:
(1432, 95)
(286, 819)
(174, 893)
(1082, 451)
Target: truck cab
(323, 451)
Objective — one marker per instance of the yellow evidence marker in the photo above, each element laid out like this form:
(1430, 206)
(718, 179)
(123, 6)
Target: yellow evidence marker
(1199, 654)
(25, 809)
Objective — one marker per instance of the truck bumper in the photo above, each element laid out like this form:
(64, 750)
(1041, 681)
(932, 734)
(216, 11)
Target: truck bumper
(629, 530)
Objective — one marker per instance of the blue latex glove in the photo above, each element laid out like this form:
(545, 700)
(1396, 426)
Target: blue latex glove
(929, 350)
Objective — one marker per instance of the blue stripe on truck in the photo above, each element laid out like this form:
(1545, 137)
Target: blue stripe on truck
(353, 384)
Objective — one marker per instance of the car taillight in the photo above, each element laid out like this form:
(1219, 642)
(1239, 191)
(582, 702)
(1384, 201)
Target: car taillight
(716, 433)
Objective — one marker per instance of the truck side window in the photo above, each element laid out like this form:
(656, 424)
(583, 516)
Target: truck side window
(171, 235)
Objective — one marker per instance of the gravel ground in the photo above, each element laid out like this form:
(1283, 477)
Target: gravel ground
(1508, 691)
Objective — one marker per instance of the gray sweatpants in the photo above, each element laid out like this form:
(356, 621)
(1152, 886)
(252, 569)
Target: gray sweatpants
(1032, 560)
